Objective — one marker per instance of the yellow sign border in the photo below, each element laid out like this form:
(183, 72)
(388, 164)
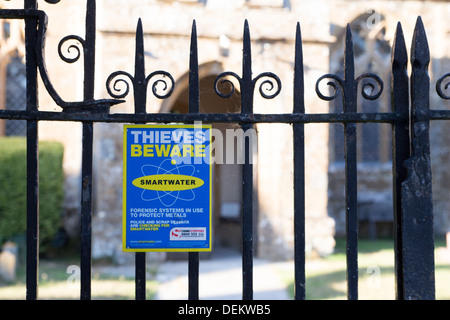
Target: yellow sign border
(124, 183)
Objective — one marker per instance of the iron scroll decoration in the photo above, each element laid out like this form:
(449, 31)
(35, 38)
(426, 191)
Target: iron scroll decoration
(266, 85)
(441, 87)
(116, 78)
(70, 49)
(139, 80)
(89, 103)
(270, 83)
(337, 84)
(372, 85)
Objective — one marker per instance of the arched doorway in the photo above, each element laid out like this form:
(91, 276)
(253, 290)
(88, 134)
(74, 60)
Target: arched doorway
(227, 177)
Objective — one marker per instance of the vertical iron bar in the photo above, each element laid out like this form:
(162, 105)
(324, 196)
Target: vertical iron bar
(140, 87)
(32, 157)
(247, 219)
(140, 101)
(87, 149)
(86, 206)
(247, 81)
(140, 275)
(193, 271)
(400, 145)
(299, 172)
(89, 50)
(194, 107)
(350, 92)
(417, 205)
(247, 87)
(194, 81)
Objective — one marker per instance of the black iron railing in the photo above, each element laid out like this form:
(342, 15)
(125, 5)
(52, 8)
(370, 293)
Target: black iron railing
(413, 216)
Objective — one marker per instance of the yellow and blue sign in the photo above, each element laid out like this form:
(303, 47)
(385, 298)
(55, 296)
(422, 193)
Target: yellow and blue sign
(167, 188)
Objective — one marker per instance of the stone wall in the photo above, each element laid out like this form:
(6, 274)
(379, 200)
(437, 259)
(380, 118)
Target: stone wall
(375, 180)
(167, 26)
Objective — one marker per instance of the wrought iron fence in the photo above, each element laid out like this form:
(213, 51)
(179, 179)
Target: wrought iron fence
(413, 215)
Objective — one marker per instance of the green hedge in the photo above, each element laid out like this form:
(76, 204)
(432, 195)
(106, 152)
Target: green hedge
(13, 186)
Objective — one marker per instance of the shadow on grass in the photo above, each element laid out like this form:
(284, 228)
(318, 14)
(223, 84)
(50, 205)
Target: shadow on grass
(321, 284)
(324, 286)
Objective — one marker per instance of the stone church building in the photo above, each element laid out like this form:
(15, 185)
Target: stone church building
(167, 26)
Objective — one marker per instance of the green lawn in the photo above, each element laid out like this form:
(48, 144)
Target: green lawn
(55, 282)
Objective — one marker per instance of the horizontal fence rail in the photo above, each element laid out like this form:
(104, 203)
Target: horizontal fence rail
(216, 117)
(413, 217)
